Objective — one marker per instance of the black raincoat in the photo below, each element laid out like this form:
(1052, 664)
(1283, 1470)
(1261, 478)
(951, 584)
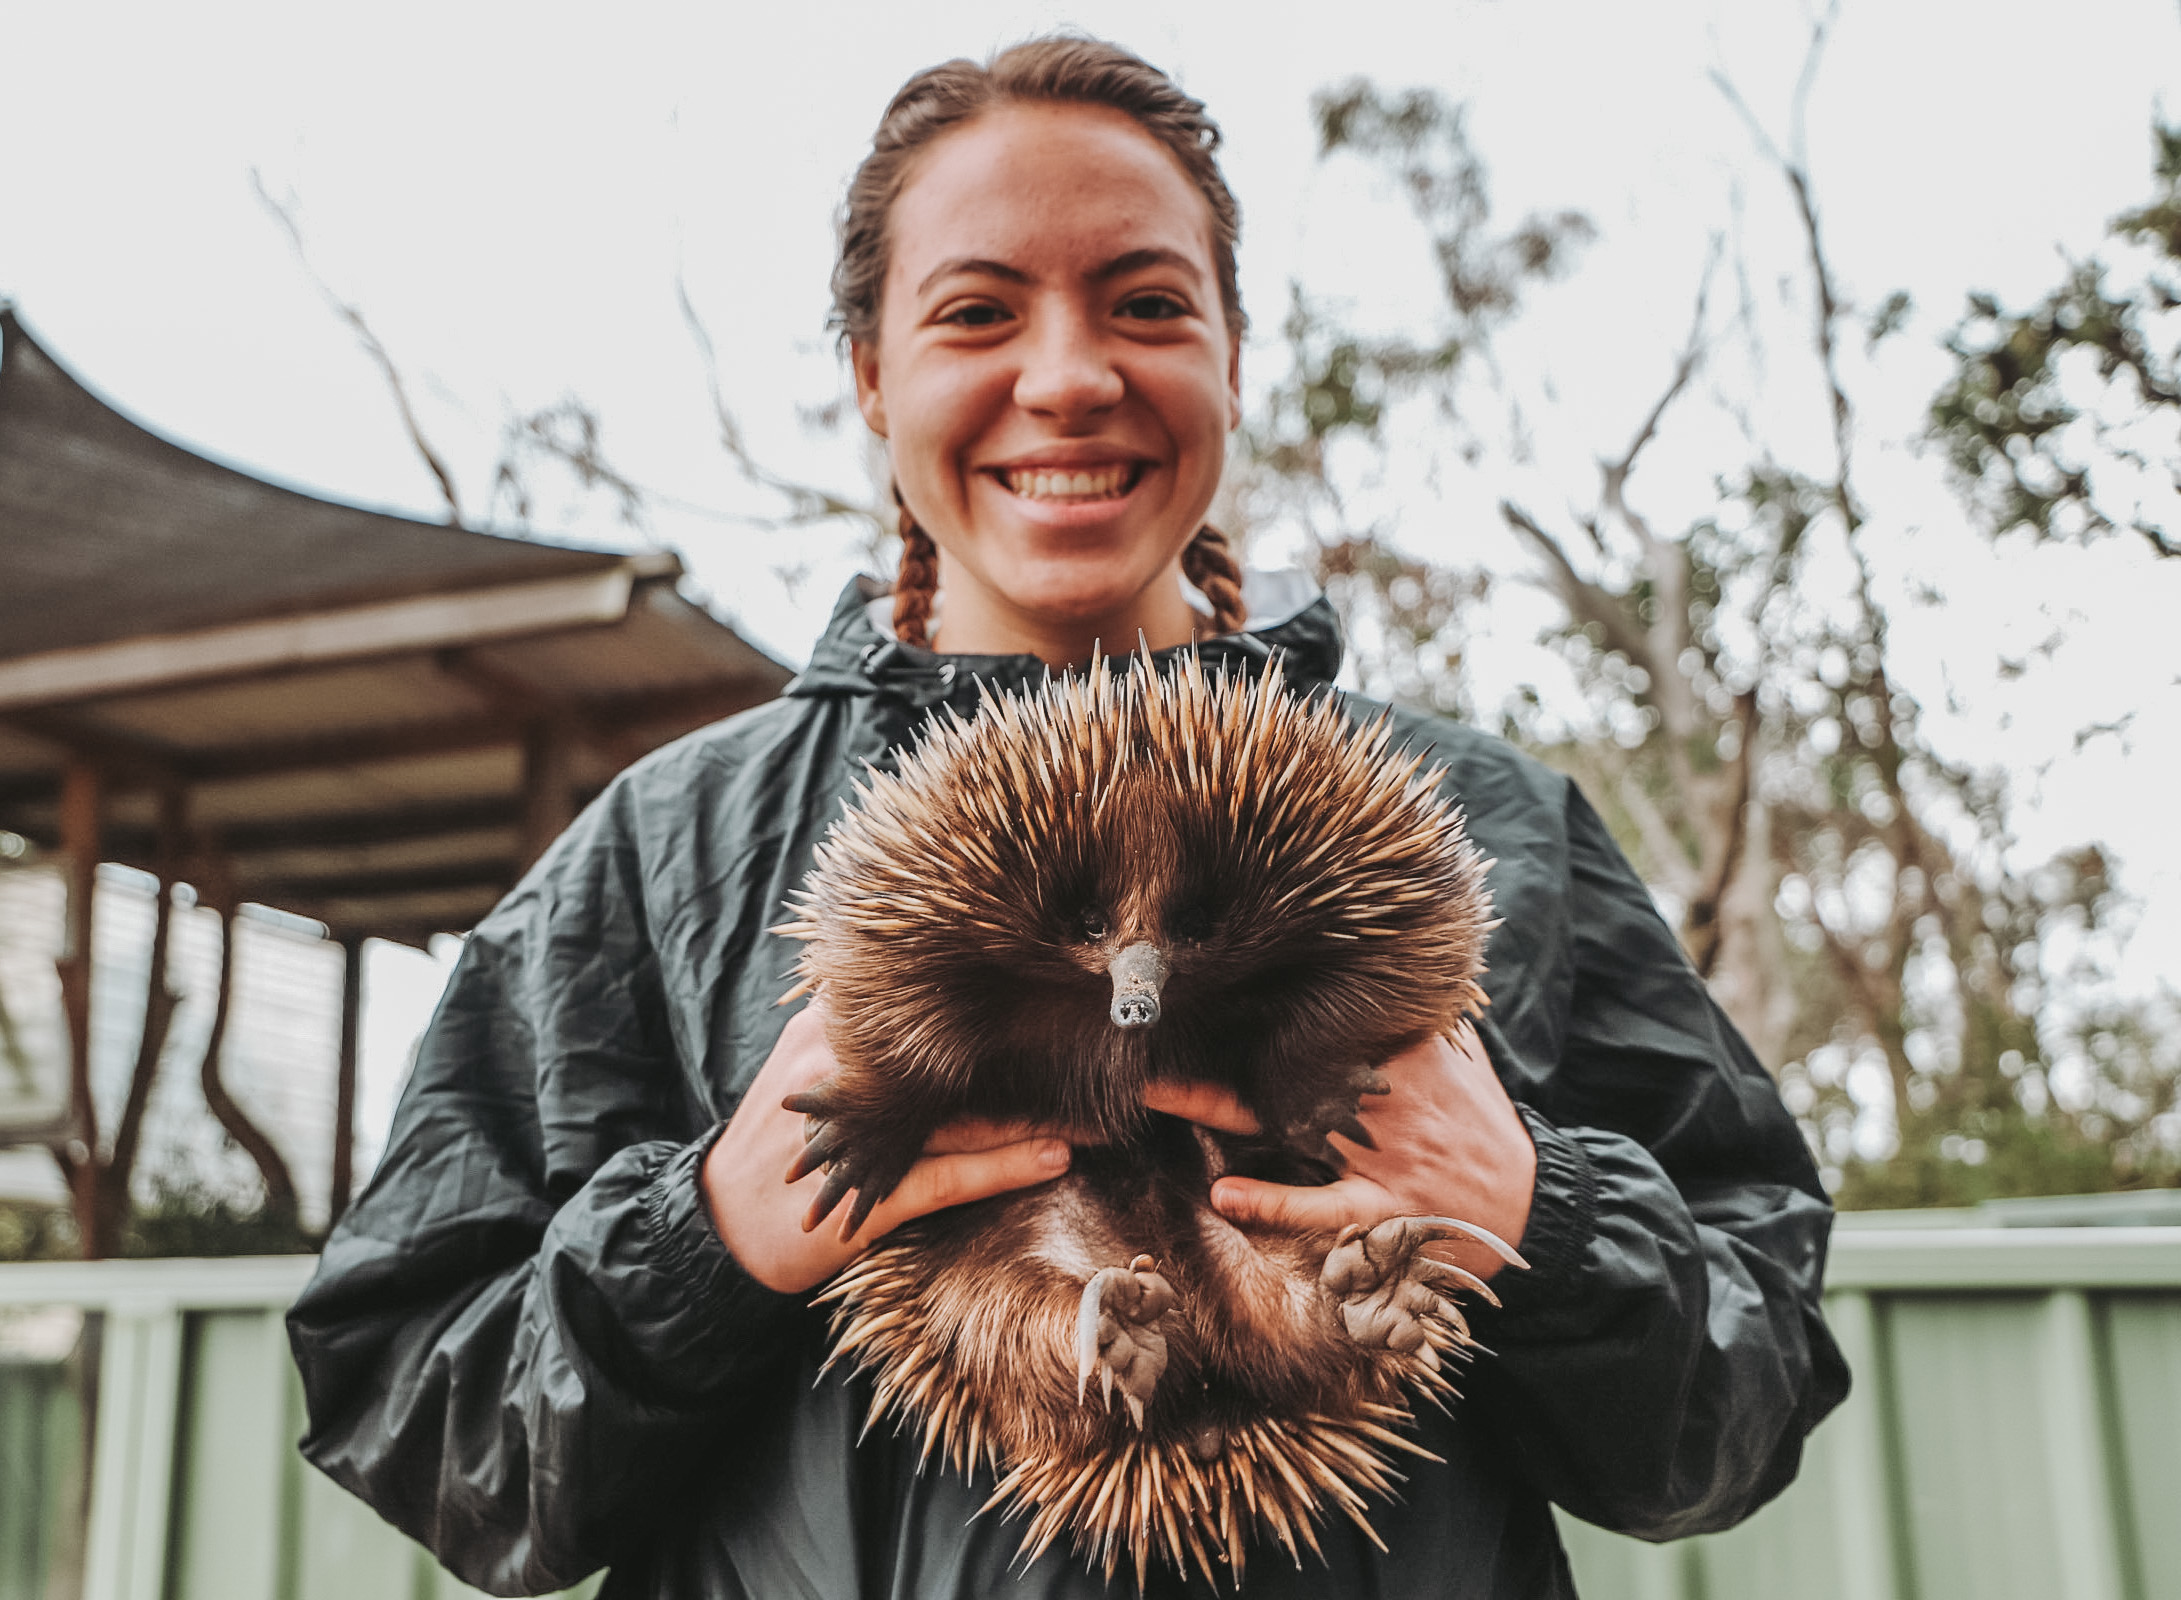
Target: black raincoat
(527, 1347)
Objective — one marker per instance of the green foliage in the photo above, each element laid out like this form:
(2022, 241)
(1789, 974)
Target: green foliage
(1422, 139)
(32, 1232)
(187, 1217)
(184, 1217)
(2065, 419)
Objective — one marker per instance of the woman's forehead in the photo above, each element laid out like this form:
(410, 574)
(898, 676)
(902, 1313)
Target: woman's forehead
(1046, 187)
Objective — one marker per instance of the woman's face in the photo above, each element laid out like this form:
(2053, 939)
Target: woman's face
(1054, 374)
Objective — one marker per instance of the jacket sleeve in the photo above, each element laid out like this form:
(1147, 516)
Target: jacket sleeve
(1658, 1368)
(527, 1332)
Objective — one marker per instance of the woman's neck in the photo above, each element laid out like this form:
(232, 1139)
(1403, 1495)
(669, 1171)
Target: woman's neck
(971, 621)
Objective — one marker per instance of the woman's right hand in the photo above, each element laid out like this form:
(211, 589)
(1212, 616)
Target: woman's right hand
(759, 1214)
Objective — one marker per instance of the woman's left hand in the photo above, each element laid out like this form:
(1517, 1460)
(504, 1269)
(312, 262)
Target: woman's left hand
(1450, 1144)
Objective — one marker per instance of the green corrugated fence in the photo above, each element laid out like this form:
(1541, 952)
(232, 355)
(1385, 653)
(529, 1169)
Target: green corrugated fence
(2015, 1431)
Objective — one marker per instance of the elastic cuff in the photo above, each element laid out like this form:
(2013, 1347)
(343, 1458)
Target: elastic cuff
(1563, 1220)
(720, 1295)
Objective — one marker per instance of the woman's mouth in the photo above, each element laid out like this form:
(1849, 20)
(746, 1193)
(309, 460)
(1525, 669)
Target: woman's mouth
(1107, 482)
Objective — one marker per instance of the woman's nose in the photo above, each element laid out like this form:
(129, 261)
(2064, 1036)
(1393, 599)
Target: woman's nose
(1067, 373)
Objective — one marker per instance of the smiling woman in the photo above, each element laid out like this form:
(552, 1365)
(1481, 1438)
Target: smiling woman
(569, 1323)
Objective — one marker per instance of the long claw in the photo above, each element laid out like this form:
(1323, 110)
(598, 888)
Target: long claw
(1440, 1273)
(1351, 1127)
(824, 1144)
(837, 1184)
(1448, 1228)
(867, 1199)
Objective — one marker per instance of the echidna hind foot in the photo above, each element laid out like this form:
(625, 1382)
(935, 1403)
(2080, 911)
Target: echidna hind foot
(1118, 1337)
(1391, 1296)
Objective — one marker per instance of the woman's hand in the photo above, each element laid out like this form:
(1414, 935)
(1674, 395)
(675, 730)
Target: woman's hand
(760, 1215)
(1450, 1144)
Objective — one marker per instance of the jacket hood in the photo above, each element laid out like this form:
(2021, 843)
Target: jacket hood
(858, 655)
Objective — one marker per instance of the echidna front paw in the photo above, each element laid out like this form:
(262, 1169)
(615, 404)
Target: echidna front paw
(1340, 1112)
(1388, 1292)
(1117, 1334)
(871, 1166)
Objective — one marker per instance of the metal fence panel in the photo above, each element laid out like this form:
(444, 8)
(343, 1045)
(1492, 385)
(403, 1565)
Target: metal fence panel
(2015, 1430)
(2143, 1352)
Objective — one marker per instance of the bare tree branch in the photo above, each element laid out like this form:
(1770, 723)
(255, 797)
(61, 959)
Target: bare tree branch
(1794, 166)
(280, 1194)
(1615, 473)
(1665, 561)
(1702, 925)
(160, 1001)
(806, 502)
(1669, 858)
(1586, 601)
(284, 214)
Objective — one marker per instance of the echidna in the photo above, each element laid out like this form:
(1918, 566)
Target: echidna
(1119, 878)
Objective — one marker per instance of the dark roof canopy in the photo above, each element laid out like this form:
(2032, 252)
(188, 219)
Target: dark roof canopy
(360, 717)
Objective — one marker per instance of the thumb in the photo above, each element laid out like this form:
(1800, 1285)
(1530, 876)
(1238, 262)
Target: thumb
(1280, 1205)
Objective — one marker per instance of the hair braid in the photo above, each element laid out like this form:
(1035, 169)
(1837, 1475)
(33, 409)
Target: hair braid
(915, 584)
(1209, 564)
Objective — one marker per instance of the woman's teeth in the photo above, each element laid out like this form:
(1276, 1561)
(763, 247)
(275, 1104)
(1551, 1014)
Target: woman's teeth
(1097, 483)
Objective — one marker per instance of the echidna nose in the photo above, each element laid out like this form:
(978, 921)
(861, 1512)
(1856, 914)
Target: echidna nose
(1137, 973)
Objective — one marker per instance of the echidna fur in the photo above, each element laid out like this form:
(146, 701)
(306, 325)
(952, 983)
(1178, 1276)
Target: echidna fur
(945, 928)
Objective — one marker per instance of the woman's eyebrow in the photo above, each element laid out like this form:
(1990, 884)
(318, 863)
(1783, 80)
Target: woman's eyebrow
(1137, 260)
(972, 266)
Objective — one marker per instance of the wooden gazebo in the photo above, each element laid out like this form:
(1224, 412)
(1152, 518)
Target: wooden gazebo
(361, 718)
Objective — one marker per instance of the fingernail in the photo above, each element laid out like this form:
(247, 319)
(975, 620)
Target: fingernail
(1053, 1155)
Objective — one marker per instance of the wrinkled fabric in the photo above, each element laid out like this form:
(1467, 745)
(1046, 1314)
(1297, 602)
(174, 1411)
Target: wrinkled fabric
(526, 1346)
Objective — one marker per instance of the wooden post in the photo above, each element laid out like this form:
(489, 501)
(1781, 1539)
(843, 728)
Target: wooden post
(344, 1082)
(82, 808)
(546, 785)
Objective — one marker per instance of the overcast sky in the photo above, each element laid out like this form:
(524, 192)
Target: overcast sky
(510, 191)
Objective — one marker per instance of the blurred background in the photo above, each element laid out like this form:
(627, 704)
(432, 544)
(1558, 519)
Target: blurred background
(1768, 413)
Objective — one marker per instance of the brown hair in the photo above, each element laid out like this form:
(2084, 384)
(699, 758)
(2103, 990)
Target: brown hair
(1059, 69)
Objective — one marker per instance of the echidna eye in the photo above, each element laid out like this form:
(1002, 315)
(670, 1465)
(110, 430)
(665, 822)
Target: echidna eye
(1192, 923)
(1094, 924)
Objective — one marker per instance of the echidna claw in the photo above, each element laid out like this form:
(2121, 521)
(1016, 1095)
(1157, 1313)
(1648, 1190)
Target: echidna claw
(1117, 1335)
(1448, 1228)
(1441, 1273)
(1352, 1128)
(822, 1145)
(837, 1184)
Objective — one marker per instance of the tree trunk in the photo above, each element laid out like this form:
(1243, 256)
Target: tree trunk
(280, 1199)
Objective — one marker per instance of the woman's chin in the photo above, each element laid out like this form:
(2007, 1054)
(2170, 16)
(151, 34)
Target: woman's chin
(1064, 603)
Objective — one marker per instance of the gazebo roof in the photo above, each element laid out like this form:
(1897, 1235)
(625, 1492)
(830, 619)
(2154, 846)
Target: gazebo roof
(359, 717)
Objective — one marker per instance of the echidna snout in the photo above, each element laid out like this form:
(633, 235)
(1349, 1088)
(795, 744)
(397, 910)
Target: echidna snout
(1137, 973)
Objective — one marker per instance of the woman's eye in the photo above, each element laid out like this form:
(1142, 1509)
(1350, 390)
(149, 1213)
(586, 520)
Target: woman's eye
(975, 316)
(1153, 307)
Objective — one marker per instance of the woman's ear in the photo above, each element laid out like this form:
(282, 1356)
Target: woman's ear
(863, 358)
(1234, 383)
